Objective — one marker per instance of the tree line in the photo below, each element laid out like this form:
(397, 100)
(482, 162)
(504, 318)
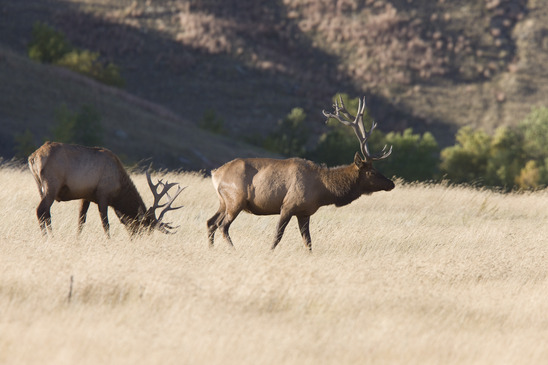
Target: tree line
(511, 158)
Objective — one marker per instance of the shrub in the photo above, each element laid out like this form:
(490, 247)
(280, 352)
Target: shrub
(88, 63)
(514, 157)
(414, 157)
(466, 161)
(51, 46)
(47, 44)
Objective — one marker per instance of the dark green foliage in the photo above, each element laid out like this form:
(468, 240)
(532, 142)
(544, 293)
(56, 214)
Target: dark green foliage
(88, 63)
(51, 46)
(290, 137)
(466, 161)
(83, 127)
(24, 144)
(212, 122)
(515, 157)
(47, 44)
(414, 157)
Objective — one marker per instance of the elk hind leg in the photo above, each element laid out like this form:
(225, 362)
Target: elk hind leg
(225, 225)
(84, 206)
(44, 215)
(304, 227)
(214, 222)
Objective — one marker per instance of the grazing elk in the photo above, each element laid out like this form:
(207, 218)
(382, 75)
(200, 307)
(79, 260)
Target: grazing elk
(66, 172)
(295, 187)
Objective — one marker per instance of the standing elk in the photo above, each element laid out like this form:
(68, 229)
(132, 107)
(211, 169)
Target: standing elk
(295, 187)
(66, 172)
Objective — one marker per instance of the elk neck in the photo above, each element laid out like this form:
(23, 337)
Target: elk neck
(341, 183)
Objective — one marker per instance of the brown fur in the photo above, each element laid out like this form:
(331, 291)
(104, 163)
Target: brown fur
(66, 172)
(292, 187)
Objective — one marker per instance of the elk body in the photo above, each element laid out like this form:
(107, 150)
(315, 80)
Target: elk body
(66, 172)
(295, 187)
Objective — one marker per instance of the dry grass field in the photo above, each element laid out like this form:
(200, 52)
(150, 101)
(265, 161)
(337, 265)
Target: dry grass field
(420, 275)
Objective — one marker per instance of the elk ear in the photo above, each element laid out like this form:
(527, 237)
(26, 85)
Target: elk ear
(358, 160)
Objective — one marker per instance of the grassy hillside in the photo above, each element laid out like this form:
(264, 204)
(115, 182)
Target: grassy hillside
(459, 278)
(134, 128)
(430, 65)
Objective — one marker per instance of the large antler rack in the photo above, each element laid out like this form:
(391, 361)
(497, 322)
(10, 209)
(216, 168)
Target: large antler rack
(158, 195)
(356, 122)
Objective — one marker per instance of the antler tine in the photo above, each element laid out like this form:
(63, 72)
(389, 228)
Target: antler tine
(167, 205)
(383, 154)
(154, 190)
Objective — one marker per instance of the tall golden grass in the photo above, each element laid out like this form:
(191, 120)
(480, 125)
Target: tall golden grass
(425, 274)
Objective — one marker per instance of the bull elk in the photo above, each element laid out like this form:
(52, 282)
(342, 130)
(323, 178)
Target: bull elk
(66, 172)
(295, 187)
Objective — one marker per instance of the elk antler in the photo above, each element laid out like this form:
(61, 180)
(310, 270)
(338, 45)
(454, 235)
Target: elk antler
(164, 227)
(343, 116)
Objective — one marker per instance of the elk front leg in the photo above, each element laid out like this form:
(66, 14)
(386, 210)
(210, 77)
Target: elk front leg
(304, 227)
(103, 212)
(282, 223)
(84, 206)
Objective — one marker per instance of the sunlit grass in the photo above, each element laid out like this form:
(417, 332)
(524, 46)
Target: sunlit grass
(423, 274)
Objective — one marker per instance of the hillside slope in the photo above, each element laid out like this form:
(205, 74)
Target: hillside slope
(134, 128)
(428, 65)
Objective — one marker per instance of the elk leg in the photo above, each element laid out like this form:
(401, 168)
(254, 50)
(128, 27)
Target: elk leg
(304, 226)
(213, 224)
(282, 223)
(103, 212)
(225, 225)
(43, 213)
(84, 206)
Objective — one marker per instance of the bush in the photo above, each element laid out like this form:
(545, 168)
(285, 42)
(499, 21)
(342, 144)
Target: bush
(290, 137)
(83, 127)
(47, 44)
(88, 63)
(467, 160)
(414, 157)
(514, 157)
(51, 46)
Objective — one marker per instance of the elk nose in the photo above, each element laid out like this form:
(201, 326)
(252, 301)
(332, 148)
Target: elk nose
(390, 185)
